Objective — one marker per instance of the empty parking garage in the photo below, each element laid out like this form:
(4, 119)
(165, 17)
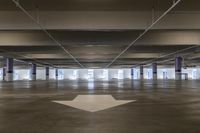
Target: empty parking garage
(102, 66)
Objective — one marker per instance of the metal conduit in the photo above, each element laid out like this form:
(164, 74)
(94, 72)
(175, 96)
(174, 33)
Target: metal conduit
(47, 33)
(146, 30)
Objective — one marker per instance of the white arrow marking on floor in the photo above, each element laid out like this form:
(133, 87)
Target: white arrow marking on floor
(94, 103)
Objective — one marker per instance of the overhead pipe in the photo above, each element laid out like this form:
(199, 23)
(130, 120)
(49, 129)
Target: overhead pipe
(47, 33)
(142, 34)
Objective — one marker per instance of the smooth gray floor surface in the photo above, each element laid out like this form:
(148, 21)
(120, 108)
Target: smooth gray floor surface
(161, 107)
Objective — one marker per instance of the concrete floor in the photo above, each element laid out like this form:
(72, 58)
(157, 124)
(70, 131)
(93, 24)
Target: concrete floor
(161, 107)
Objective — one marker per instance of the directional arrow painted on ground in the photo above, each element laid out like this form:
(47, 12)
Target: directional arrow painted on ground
(94, 103)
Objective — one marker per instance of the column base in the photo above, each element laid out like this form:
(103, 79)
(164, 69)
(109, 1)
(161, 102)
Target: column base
(9, 77)
(178, 76)
(33, 77)
(141, 77)
(4, 78)
(47, 77)
(155, 77)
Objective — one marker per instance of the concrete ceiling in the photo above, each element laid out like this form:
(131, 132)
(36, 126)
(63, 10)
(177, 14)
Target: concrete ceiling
(96, 31)
(100, 5)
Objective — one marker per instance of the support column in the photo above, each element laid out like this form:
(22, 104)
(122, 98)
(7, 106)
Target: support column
(132, 73)
(47, 73)
(141, 72)
(4, 73)
(178, 68)
(56, 74)
(33, 72)
(9, 69)
(154, 70)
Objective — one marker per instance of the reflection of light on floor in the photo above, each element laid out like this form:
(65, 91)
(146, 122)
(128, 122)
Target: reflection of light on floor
(24, 85)
(75, 85)
(105, 85)
(120, 84)
(90, 84)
